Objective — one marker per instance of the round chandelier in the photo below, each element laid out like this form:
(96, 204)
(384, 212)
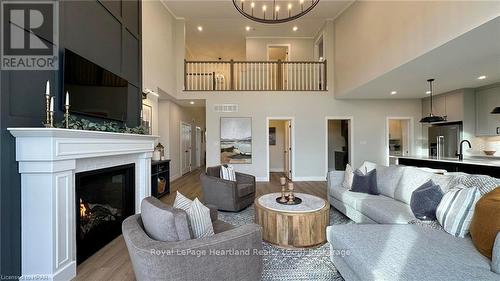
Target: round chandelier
(273, 11)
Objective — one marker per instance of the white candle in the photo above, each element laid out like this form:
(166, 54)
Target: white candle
(51, 103)
(47, 88)
(67, 98)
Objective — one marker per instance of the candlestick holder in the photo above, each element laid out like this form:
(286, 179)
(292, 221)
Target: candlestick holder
(51, 122)
(66, 115)
(283, 196)
(47, 110)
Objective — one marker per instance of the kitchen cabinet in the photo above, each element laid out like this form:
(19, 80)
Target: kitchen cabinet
(451, 105)
(487, 98)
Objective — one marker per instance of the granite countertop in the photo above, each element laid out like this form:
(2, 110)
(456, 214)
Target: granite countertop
(473, 160)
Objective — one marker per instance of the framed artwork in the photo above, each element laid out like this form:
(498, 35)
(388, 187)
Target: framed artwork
(272, 135)
(147, 117)
(236, 140)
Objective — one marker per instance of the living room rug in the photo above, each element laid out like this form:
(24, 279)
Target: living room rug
(286, 264)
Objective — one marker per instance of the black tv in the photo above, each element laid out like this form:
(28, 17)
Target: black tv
(93, 90)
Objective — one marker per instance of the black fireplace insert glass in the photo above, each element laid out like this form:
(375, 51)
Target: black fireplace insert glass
(104, 198)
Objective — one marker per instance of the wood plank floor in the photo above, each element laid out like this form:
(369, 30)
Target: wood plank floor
(113, 263)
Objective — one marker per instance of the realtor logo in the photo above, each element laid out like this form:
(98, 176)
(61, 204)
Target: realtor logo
(29, 35)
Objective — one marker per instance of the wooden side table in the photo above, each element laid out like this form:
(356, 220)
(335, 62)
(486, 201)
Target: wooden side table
(293, 226)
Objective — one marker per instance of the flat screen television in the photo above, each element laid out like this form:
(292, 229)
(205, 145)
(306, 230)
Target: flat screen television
(94, 91)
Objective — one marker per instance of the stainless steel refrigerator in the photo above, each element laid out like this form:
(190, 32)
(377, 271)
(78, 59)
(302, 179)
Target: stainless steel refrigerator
(444, 140)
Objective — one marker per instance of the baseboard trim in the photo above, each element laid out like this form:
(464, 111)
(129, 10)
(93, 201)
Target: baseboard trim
(309, 178)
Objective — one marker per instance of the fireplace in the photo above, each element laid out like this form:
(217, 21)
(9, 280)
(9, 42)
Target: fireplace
(104, 198)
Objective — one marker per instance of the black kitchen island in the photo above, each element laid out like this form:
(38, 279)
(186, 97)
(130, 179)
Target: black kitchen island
(473, 165)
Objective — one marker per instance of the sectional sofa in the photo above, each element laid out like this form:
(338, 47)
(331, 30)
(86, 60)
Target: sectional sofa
(384, 246)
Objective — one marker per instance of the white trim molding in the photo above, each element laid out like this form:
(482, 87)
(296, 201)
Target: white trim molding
(351, 138)
(292, 143)
(49, 160)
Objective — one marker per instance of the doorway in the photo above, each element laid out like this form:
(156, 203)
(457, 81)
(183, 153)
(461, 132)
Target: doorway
(280, 148)
(398, 138)
(278, 52)
(338, 143)
(197, 149)
(185, 148)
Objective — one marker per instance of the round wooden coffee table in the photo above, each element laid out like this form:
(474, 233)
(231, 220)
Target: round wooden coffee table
(293, 226)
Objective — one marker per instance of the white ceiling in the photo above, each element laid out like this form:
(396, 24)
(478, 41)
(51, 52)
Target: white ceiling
(454, 65)
(224, 27)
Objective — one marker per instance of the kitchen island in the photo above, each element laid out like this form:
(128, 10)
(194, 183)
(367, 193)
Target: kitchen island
(471, 165)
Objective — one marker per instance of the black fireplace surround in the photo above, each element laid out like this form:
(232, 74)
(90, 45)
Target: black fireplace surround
(104, 198)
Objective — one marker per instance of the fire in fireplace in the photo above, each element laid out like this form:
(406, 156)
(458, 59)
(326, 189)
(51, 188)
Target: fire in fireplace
(104, 199)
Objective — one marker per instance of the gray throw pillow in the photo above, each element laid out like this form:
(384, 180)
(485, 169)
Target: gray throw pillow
(365, 183)
(164, 223)
(425, 199)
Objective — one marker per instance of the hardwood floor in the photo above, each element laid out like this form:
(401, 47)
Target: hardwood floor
(113, 263)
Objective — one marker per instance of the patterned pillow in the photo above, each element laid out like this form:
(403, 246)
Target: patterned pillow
(198, 214)
(455, 211)
(484, 183)
(348, 176)
(227, 173)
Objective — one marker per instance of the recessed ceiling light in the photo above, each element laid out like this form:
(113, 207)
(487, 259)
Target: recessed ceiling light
(295, 28)
(482, 77)
(200, 28)
(428, 92)
(191, 102)
(248, 28)
(393, 92)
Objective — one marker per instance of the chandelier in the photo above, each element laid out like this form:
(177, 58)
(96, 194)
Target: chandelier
(273, 11)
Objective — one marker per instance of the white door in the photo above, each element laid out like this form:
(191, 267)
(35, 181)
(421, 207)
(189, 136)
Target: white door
(288, 149)
(185, 148)
(198, 147)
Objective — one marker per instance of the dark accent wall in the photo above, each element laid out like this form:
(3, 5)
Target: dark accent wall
(106, 32)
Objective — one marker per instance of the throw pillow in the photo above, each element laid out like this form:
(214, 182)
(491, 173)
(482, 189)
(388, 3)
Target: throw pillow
(456, 208)
(163, 223)
(425, 200)
(486, 222)
(198, 214)
(365, 183)
(348, 176)
(227, 173)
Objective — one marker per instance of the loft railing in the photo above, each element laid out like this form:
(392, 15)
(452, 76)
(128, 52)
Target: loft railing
(255, 76)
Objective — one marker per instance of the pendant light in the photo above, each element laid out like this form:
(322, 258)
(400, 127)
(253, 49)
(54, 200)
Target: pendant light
(496, 110)
(431, 118)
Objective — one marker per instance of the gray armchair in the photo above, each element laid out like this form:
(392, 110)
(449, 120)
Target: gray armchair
(196, 259)
(227, 195)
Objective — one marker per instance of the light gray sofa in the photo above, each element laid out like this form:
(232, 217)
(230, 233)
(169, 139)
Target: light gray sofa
(208, 258)
(227, 195)
(383, 246)
(395, 184)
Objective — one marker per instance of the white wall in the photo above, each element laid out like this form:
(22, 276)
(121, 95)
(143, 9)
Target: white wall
(310, 111)
(159, 47)
(277, 152)
(301, 49)
(374, 37)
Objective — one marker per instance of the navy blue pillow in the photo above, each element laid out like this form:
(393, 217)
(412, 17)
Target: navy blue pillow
(365, 183)
(425, 200)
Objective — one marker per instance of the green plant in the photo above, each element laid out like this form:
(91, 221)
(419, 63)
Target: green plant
(106, 126)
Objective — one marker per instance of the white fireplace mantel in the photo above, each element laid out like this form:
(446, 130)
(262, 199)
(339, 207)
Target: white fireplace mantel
(48, 160)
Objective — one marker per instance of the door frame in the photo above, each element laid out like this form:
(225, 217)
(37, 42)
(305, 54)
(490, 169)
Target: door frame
(197, 143)
(181, 150)
(351, 138)
(411, 135)
(289, 47)
(292, 143)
